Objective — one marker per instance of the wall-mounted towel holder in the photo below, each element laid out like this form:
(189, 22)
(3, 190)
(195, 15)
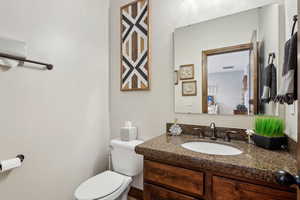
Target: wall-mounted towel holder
(21, 59)
(271, 58)
(295, 19)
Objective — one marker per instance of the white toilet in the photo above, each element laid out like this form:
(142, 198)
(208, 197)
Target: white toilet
(114, 185)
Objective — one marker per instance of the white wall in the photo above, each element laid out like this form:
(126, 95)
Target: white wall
(58, 119)
(190, 41)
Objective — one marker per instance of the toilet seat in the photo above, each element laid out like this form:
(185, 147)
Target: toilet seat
(102, 186)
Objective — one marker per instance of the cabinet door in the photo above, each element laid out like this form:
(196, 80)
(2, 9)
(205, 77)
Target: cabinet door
(152, 192)
(225, 189)
(178, 179)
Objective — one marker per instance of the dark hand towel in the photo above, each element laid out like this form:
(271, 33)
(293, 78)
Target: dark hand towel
(270, 84)
(288, 91)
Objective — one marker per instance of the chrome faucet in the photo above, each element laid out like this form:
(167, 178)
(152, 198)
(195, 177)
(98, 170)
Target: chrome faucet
(213, 130)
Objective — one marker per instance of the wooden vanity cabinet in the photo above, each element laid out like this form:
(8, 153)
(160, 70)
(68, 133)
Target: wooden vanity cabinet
(166, 182)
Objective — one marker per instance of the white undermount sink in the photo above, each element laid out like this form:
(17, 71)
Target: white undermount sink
(212, 148)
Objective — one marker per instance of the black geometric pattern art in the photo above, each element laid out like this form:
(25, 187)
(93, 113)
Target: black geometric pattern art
(135, 46)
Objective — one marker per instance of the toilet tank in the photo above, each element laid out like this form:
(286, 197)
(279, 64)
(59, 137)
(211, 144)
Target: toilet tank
(124, 158)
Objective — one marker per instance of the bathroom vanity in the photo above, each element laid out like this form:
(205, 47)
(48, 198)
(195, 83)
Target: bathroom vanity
(172, 172)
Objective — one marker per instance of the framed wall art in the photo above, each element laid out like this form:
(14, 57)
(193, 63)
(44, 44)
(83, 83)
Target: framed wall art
(135, 50)
(186, 72)
(189, 88)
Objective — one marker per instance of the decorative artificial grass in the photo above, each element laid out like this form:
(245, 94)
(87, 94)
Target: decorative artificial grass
(269, 126)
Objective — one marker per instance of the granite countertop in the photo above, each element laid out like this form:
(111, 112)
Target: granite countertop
(254, 163)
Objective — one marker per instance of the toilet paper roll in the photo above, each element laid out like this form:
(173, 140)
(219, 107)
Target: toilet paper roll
(6, 165)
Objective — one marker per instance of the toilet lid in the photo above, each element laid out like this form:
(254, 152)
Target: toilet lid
(100, 186)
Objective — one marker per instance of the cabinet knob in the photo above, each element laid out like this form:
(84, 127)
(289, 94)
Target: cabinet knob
(287, 179)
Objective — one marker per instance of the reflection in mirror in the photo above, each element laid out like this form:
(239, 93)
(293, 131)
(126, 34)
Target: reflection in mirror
(220, 63)
(228, 85)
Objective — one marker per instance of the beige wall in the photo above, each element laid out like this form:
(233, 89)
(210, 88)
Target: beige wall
(59, 118)
(151, 110)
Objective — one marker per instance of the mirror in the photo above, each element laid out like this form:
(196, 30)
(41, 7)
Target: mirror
(220, 63)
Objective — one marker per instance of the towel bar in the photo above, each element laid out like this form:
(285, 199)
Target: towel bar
(48, 66)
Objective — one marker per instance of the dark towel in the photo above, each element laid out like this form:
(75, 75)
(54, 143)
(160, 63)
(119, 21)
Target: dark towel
(288, 91)
(270, 84)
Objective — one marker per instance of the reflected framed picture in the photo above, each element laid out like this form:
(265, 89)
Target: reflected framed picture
(189, 88)
(175, 77)
(186, 72)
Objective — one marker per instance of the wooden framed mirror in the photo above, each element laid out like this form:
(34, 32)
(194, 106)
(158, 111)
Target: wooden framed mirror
(234, 69)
